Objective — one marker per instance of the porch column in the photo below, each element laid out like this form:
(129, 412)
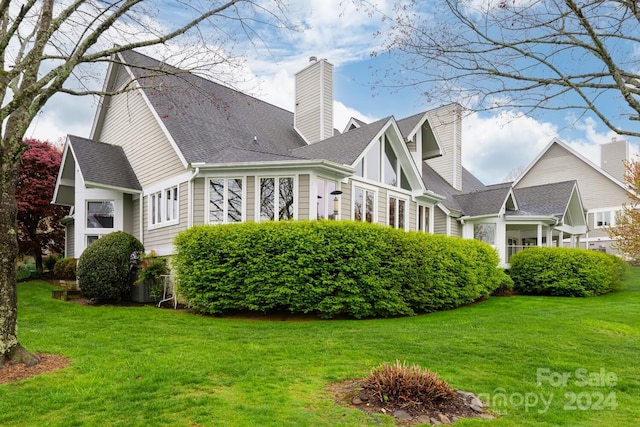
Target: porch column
(573, 241)
(539, 235)
(549, 236)
(432, 213)
(560, 239)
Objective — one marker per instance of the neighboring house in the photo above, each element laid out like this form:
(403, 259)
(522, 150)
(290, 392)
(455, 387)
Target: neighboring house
(171, 150)
(602, 188)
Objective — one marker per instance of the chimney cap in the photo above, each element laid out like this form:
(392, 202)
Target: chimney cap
(313, 59)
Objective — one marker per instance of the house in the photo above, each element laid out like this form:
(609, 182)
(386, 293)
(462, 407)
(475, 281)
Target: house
(602, 188)
(169, 149)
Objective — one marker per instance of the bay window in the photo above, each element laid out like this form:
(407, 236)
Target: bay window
(226, 201)
(277, 200)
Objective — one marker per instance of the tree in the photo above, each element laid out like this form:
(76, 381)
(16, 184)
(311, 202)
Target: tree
(46, 45)
(626, 230)
(527, 55)
(38, 219)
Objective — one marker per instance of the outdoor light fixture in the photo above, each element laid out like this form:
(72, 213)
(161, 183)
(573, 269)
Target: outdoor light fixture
(335, 194)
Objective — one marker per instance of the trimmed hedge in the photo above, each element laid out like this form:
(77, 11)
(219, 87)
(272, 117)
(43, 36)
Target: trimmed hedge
(106, 270)
(566, 272)
(330, 268)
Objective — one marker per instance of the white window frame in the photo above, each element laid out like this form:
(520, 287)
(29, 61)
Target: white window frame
(327, 199)
(225, 210)
(276, 196)
(158, 215)
(398, 198)
(612, 217)
(423, 226)
(365, 188)
(100, 230)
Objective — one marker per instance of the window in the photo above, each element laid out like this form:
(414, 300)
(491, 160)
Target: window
(390, 165)
(485, 233)
(164, 207)
(283, 200)
(604, 219)
(225, 200)
(326, 203)
(363, 205)
(397, 212)
(381, 164)
(100, 214)
(91, 240)
(423, 218)
(372, 162)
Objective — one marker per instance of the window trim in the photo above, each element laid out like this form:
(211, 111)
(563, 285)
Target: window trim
(428, 211)
(407, 203)
(151, 225)
(276, 196)
(365, 187)
(225, 211)
(327, 199)
(99, 230)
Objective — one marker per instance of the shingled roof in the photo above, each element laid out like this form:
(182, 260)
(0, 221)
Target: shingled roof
(210, 122)
(439, 185)
(547, 199)
(486, 202)
(103, 164)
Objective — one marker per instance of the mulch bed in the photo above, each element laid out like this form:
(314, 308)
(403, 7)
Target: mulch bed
(48, 363)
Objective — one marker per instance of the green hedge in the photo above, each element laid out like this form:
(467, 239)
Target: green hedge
(330, 268)
(566, 272)
(65, 269)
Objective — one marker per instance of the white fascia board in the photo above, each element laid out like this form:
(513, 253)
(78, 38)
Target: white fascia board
(416, 179)
(343, 170)
(65, 153)
(89, 184)
(99, 115)
(530, 219)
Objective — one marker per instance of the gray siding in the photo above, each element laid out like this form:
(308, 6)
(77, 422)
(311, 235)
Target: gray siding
(314, 101)
(130, 124)
(456, 228)
(413, 215)
(439, 221)
(251, 202)
(558, 164)
(70, 243)
(303, 197)
(446, 125)
(612, 158)
(128, 218)
(198, 201)
(135, 228)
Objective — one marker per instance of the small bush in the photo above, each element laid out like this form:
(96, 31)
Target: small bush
(50, 262)
(107, 268)
(404, 384)
(65, 269)
(26, 272)
(566, 272)
(330, 268)
(152, 268)
(506, 285)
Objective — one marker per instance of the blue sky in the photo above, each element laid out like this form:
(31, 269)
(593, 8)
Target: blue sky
(493, 143)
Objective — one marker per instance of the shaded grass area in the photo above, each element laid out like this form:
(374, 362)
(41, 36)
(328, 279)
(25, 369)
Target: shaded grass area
(139, 366)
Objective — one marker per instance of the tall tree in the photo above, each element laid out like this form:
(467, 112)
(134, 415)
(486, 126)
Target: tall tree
(528, 55)
(38, 219)
(44, 45)
(626, 230)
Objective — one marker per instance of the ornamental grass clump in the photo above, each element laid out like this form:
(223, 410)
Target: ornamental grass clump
(406, 385)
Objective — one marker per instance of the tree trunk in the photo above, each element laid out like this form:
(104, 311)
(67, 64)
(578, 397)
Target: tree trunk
(37, 255)
(10, 348)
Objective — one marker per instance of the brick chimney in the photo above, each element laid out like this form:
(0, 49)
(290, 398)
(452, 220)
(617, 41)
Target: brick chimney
(313, 112)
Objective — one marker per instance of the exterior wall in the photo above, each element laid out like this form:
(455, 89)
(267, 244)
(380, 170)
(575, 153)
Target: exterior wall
(304, 207)
(198, 193)
(130, 123)
(439, 221)
(612, 157)
(456, 228)
(127, 214)
(160, 239)
(69, 241)
(558, 164)
(447, 126)
(314, 101)
(251, 195)
(135, 209)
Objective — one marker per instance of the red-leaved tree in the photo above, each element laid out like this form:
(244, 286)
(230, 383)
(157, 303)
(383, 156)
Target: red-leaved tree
(38, 226)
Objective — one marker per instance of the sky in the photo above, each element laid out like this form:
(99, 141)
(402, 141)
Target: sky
(494, 144)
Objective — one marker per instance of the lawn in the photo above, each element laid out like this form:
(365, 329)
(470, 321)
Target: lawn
(139, 366)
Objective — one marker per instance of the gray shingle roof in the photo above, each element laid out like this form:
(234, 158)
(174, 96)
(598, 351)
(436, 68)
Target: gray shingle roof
(206, 119)
(485, 202)
(547, 199)
(439, 185)
(408, 124)
(103, 164)
(344, 148)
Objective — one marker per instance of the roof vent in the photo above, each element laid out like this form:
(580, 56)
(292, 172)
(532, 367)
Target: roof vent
(313, 59)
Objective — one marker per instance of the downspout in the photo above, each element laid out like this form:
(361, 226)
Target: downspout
(141, 218)
(190, 196)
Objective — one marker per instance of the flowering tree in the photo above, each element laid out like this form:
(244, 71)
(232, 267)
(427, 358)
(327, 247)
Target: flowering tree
(627, 228)
(38, 226)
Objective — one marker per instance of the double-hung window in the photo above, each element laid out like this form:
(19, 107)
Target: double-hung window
(277, 198)
(397, 214)
(226, 200)
(164, 207)
(364, 204)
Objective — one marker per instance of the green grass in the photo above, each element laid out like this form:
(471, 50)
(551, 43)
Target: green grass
(139, 366)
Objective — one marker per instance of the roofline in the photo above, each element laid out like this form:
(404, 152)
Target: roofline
(67, 147)
(111, 187)
(343, 169)
(555, 140)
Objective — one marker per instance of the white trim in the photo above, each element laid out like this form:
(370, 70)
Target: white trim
(366, 187)
(171, 182)
(276, 198)
(207, 200)
(163, 206)
(399, 196)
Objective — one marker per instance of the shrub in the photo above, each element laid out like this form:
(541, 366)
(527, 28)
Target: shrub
(566, 272)
(152, 267)
(506, 286)
(107, 268)
(26, 271)
(330, 268)
(65, 269)
(50, 262)
(406, 385)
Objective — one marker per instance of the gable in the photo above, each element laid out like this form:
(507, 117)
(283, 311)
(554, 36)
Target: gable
(558, 164)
